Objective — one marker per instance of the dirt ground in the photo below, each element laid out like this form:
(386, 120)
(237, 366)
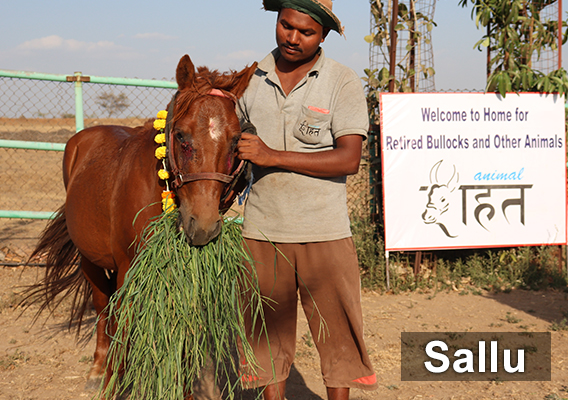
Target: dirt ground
(45, 361)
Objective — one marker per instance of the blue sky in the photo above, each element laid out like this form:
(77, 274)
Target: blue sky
(143, 39)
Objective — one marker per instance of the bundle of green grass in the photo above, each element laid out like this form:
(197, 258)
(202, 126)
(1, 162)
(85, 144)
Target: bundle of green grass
(181, 306)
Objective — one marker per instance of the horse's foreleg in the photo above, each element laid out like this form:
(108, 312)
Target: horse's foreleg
(111, 328)
(103, 288)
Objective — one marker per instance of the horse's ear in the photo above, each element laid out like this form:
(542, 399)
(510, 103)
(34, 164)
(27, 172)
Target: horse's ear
(242, 80)
(185, 72)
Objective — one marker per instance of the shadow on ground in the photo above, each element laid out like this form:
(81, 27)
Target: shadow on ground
(547, 305)
(296, 389)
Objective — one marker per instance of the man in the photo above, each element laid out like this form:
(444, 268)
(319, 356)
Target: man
(311, 118)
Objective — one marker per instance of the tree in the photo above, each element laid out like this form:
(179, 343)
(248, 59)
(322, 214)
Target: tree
(516, 33)
(409, 26)
(113, 104)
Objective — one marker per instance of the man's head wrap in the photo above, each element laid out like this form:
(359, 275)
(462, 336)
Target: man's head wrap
(319, 10)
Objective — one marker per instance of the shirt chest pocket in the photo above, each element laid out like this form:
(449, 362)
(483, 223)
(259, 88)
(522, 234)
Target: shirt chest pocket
(313, 126)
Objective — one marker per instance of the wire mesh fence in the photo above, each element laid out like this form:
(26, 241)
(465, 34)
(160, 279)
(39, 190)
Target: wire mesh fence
(37, 110)
(24, 99)
(412, 40)
(31, 180)
(44, 111)
(34, 110)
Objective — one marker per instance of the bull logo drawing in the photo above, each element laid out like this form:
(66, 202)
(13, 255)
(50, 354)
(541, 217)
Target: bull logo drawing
(443, 182)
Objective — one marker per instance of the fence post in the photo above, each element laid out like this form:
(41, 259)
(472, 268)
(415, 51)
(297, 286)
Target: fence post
(79, 121)
(78, 79)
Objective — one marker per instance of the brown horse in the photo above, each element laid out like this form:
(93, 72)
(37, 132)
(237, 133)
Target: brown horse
(110, 175)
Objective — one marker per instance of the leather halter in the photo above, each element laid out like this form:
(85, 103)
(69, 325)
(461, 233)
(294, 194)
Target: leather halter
(179, 178)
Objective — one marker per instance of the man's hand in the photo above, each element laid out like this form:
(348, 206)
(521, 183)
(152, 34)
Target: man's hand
(343, 160)
(253, 149)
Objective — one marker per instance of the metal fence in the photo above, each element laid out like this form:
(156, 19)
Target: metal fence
(40, 112)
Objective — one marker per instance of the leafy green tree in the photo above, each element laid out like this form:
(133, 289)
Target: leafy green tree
(113, 104)
(514, 34)
(409, 69)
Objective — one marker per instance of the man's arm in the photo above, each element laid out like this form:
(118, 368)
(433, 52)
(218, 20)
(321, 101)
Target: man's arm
(343, 160)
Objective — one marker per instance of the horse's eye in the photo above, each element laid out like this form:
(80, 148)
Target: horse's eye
(186, 150)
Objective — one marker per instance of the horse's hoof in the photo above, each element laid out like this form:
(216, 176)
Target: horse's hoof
(93, 384)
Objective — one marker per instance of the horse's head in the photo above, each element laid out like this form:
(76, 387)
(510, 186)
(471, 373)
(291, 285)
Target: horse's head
(202, 142)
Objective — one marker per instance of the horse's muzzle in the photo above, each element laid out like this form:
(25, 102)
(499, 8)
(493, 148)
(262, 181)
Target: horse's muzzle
(198, 235)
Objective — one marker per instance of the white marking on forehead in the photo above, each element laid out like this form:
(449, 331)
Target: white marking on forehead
(214, 130)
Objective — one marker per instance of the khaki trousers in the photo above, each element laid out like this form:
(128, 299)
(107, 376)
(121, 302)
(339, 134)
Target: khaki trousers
(326, 276)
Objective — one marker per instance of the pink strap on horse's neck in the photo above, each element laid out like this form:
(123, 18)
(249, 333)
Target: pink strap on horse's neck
(220, 93)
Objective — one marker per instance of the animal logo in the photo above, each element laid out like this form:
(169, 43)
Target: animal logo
(443, 182)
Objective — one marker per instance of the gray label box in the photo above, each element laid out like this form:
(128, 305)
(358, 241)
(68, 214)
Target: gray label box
(475, 356)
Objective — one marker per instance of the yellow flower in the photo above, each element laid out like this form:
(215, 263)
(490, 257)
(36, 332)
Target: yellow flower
(163, 174)
(160, 152)
(168, 202)
(159, 124)
(162, 114)
(160, 138)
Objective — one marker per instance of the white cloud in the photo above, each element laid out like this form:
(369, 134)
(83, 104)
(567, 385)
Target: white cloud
(55, 42)
(47, 43)
(154, 35)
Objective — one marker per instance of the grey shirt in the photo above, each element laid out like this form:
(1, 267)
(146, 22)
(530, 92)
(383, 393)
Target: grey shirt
(328, 103)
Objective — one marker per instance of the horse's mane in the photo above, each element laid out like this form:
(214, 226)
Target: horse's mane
(205, 80)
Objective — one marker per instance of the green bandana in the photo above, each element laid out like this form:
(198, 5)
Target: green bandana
(321, 14)
(293, 5)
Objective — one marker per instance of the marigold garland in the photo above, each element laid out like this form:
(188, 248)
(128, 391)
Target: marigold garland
(163, 174)
(162, 114)
(168, 202)
(159, 124)
(160, 152)
(160, 138)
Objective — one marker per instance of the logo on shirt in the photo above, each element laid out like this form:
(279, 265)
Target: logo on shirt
(309, 130)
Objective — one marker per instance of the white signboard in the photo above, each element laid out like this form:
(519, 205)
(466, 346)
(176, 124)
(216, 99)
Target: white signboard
(464, 170)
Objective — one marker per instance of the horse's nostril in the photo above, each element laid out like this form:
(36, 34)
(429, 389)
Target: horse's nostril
(217, 229)
(189, 225)
(179, 225)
